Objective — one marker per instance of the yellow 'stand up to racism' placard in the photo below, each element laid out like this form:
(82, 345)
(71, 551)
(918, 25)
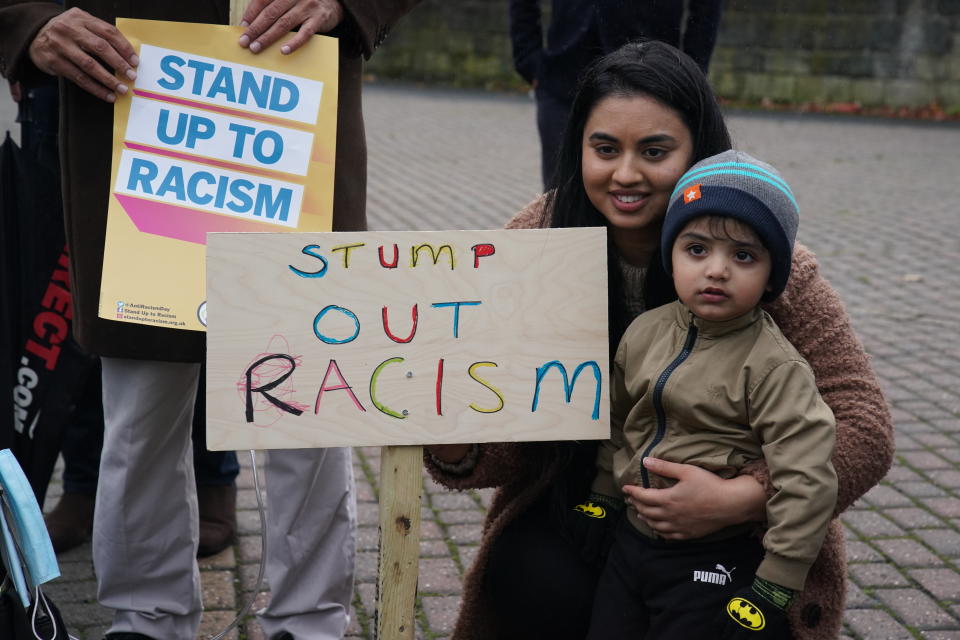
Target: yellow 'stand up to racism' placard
(406, 338)
(211, 138)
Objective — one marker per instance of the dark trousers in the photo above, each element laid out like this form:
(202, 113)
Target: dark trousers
(537, 583)
(552, 115)
(665, 589)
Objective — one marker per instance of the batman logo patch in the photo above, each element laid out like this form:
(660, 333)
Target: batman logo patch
(746, 614)
(590, 509)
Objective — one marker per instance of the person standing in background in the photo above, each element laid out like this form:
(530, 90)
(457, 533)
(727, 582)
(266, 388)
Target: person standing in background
(580, 31)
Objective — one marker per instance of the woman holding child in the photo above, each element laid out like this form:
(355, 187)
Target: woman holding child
(642, 117)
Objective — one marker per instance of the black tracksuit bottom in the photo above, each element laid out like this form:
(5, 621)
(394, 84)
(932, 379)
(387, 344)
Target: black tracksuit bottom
(660, 589)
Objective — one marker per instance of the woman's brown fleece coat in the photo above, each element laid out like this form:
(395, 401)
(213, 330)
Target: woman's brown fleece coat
(811, 316)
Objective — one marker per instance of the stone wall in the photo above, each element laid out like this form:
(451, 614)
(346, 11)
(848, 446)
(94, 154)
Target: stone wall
(873, 52)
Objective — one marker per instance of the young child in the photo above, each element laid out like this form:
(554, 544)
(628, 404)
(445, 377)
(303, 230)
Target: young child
(710, 380)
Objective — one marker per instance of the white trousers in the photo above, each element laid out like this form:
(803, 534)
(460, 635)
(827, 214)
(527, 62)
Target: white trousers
(145, 527)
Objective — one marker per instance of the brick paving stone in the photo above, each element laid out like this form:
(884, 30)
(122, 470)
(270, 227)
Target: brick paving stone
(433, 548)
(921, 490)
(368, 538)
(461, 516)
(941, 635)
(862, 552)
(367, 566)
(943, 584)
(916, 608)
(938, 440)
(914, 518)
(908, 553)
(886, 496)
(368, 512)
(876, 574)
(871, 524)
(945, 542)
(899, 473)
(468, 553)
(247, 499)
(948, 507)
(430, 530)
(248, 522)
(925, 460)
(214, 622)
(449, 501)
(947, 478)
(857, 599)
(461, 533)
(439, 575)
(875, 624)
(441, 612)
(218, 590)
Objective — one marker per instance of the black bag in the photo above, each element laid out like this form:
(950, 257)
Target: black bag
(43, 370)
(42, 621)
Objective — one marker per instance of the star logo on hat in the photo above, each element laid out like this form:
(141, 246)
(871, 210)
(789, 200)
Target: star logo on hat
(691, 194)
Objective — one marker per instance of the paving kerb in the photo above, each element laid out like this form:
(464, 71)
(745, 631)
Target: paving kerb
(876, 207)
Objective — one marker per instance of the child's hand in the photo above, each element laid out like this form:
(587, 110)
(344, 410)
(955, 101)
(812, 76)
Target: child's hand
(699, 504)
(758, 611)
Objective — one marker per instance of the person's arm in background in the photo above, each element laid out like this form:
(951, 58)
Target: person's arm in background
(526, 38)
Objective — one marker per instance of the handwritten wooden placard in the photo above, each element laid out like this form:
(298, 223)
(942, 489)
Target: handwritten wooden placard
(392, 338)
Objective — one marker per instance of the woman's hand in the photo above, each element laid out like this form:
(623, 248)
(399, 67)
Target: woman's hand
(73, 45)
(269, 20)
(699, 504)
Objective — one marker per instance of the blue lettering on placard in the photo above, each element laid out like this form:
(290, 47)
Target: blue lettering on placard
(189, 127)
(200, 68)
(249, 87)
(142, 172)
(223, 83)
(243, 201)
(277, 102)
(173, 181)
(229, 84)
(193, 191)
(310, 250)
(269, 207)
(168, 64)
(203, 188)
(258, 147)
(242, 131)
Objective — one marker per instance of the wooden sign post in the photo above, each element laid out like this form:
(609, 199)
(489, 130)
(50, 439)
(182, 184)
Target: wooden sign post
(400, 339)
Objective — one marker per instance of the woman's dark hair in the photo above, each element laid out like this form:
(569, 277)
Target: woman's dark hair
(646, 68)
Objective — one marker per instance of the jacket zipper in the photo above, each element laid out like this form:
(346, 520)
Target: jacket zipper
(658, 398)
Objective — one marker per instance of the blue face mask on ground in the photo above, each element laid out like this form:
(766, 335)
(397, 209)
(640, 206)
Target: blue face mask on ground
(26, 549)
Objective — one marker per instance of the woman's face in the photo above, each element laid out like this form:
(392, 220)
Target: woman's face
(634, 151)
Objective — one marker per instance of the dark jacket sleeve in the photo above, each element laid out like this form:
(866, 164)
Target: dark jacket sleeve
(811, 315)
(367, 22)
(526, 36)
(19, 24)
